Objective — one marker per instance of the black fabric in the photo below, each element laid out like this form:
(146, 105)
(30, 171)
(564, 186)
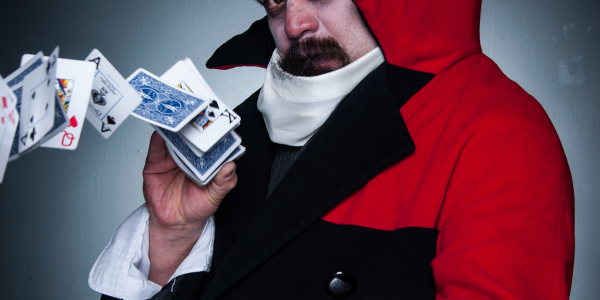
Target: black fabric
(168, 291)
(285, 156)
(385, 264)
(405, 83)
(254, 47)
(339, 159)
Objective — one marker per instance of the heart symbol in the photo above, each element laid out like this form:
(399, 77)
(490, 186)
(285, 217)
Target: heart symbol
(110, 120)
(214, 104)
(73, 122)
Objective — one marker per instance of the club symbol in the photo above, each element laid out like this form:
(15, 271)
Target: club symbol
(98, 97)
(110, 120)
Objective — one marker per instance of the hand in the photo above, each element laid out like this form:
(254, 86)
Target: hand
(178, 208)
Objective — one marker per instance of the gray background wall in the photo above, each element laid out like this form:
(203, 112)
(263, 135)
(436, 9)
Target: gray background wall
(58, 209)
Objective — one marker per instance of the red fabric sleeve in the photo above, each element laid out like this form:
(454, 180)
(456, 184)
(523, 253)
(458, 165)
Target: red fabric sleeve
(507, 221)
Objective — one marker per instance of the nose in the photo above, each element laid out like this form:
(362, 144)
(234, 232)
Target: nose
(300, 19)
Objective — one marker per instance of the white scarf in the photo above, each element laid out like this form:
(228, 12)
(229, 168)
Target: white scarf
(295, 107)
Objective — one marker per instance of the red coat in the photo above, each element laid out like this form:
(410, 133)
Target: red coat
(489, 172)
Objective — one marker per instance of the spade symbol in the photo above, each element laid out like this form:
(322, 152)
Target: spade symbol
(110, 120)
(97, 98)
(211, 114)
(32, 135)
(33, 95)
(48, 68)
(31, 120)
(214, 104)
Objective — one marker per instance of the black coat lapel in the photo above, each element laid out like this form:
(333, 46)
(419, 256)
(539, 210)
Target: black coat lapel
(364, 135)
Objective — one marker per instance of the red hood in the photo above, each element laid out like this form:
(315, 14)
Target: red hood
(414, 34)
(422, 35)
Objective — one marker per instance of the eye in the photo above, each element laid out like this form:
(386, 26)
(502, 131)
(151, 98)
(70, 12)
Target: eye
(270, 3)
(273, 7)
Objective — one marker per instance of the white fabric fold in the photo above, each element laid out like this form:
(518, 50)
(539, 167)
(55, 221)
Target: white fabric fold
(295, 107)
(121, 270)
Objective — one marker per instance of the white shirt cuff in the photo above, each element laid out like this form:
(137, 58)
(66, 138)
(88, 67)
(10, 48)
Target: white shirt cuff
(121, 270)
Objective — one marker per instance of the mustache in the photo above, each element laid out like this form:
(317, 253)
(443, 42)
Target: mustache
(305, 57)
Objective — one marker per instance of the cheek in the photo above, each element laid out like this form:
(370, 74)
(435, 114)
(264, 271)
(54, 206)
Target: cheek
(277, 28)
(341, 22)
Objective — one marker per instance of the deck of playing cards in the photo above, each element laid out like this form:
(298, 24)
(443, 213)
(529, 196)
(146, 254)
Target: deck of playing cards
(196, 125)
(45, 100)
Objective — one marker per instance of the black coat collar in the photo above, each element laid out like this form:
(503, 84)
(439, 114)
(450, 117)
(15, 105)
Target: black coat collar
(364, 135)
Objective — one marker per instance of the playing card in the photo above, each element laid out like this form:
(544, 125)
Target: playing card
(33, 85)
(237, 153)
(188, 62)
(212, 123)
(112, 99)
(164, 105)
(61, 122)
(203, 166)
(73, 83)
(9, 120)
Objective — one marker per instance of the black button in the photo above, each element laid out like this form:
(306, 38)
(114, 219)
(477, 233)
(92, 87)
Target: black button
(342, 285)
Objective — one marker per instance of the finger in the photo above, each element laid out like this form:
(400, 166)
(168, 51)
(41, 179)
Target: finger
(224, 182)
(157, 150)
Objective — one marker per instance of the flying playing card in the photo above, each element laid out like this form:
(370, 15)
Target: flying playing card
(73, 84)
(33, 85)
(9, 120)
(163, 104)
(61, 122)
(112, 99)
(212, 123)
(203, 166)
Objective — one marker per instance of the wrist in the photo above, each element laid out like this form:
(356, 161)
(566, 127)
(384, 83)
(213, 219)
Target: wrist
(169, 246)
(176, 236)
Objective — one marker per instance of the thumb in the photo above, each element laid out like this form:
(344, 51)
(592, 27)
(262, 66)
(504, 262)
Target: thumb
(224, 182)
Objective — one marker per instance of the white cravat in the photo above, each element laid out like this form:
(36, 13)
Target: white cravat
(295, 107)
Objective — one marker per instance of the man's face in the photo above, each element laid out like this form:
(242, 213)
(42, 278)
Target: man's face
(314, 37)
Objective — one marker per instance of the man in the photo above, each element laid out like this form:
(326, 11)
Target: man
(430, 175)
